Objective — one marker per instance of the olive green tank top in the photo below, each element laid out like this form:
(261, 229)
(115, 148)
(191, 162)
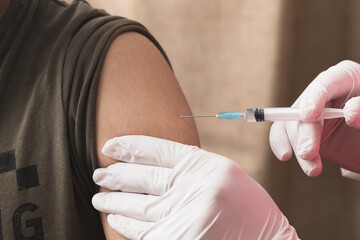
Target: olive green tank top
(51, 54)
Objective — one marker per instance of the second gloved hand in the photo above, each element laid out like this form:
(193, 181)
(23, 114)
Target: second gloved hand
(335, 140)
(175, 191)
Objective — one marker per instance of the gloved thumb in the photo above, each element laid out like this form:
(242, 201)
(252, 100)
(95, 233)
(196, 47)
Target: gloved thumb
(352, 112)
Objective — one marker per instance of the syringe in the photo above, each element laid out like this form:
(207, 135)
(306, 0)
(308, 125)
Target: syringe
(271, 114)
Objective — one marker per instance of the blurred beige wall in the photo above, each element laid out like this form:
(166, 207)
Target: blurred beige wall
(234, 54)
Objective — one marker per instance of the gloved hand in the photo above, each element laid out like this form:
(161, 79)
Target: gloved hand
(335, 140)
(169, 190)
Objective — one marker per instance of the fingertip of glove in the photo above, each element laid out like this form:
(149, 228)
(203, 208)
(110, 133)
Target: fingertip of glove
(279, 142)
(280, 152)
(97, 175)
(285, 156)
(108, 147)
(115, 148)
(110, 218)
(314, 172)
(98, 201)
(311, 168)
(95, 201)
(352, 112)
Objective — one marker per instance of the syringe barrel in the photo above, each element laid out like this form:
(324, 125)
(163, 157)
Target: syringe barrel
(285, 114)
(281, 114)
(271, 114)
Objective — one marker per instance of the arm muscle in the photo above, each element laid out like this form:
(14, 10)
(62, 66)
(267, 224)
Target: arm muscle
(138, 94)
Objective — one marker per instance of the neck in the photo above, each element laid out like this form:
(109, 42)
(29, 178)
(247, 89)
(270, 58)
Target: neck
(4, 4)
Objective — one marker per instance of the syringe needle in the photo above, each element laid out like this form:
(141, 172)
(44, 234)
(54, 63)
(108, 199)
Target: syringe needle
(196, 116)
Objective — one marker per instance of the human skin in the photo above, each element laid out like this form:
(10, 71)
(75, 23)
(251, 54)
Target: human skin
(138, 95)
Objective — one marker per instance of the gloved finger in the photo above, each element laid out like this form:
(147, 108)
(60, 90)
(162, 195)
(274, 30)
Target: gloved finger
(128, 227)
(279, 141)
(309, 139)
(311, 167)
(338, 80)
(134, 178)
(140, 206)
(352, 112)
(146, 150)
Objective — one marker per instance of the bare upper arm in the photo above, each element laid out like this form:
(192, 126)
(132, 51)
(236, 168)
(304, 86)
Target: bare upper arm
(138, 94)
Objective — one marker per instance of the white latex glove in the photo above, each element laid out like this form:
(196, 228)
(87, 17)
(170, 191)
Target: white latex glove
(335, 140)
(169, 190)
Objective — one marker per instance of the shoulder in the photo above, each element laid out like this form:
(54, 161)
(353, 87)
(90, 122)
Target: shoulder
(139, 94)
